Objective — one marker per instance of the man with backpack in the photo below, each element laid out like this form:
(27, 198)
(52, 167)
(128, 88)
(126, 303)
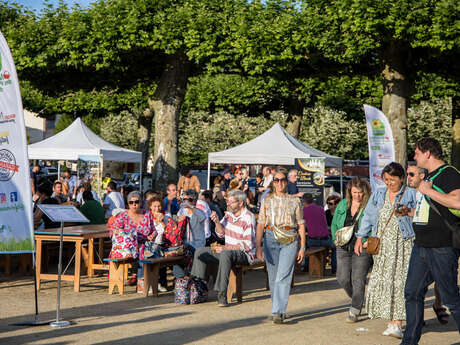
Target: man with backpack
(238, 227)
(435, 253)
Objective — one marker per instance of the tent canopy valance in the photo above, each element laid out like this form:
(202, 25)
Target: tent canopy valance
(275, 146)
(78, 140)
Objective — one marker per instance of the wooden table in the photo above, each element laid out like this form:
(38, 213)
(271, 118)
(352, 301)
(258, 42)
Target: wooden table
(76, 234)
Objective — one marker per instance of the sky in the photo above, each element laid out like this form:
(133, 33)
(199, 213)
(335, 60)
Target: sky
(37, 5)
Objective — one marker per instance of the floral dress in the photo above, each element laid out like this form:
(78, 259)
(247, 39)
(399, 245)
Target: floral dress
(127, 237)
(385, 292)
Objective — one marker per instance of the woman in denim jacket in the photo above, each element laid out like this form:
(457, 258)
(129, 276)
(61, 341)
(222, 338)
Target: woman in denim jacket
(386, 216)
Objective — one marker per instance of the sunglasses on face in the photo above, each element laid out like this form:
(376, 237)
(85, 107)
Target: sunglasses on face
(134, 202)
(331, 203)
(276, 179)
(411, 174)
(189, 199)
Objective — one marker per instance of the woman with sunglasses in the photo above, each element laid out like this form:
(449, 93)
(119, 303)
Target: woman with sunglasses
(280, 225)
(130, 231)
(352, 268)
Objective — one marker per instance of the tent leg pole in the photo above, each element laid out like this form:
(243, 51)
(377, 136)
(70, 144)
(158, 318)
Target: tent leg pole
(140, 176)
(209, 175)
(341, 181)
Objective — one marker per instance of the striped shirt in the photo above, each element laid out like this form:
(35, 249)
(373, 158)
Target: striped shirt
(241, 231)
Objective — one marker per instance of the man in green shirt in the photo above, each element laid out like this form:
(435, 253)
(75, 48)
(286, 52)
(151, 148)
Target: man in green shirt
(92, 209)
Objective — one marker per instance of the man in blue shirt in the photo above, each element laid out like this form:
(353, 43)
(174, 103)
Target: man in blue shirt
(292, 184)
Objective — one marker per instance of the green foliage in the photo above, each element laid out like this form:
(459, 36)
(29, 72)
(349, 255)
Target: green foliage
(66, 120)
(201, 133)
(330, 132)
(431, 119)
(121, 129)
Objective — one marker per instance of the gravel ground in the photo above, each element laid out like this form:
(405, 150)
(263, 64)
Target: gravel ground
(317, 310)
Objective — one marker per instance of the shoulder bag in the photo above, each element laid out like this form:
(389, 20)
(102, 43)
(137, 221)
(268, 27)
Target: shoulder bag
(344, 234)
(373, 242)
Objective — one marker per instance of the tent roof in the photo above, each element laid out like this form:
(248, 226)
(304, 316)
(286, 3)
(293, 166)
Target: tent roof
(275, 146)
(78, 140)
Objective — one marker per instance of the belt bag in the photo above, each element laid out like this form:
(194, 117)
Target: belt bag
(282, 236)
(344, 235)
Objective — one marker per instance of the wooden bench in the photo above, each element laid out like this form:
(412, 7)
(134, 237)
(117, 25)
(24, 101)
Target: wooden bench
(317, 261)
(235, 280)
(118, 273)
(152, 271)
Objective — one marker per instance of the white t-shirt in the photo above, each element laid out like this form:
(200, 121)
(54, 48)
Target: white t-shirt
(267, 180)
(114, 200)
(203, 206)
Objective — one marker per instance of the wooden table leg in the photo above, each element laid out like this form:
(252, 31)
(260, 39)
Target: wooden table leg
(91, 257)
(38, 261)
(76, 277)
(155, 272)
(101, 249)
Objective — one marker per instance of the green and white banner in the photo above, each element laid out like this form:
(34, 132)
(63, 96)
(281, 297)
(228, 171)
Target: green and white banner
(381, 144)
(16, 221)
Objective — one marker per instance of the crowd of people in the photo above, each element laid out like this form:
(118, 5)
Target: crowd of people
(233, 224)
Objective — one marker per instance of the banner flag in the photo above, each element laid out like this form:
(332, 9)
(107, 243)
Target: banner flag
(16, 220)
(381, 144)
(310, 177)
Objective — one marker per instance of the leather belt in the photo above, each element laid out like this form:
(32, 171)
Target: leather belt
(319, 238)
(286, 228)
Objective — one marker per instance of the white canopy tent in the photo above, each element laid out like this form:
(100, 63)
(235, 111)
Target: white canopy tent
(275, 146)
(78, 140)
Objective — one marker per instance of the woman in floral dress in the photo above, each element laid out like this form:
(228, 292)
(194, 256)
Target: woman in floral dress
(386, 216)
(130, 231)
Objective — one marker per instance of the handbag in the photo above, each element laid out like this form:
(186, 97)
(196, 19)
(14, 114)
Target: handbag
(373, 242)
(281, 236)
(344, 234)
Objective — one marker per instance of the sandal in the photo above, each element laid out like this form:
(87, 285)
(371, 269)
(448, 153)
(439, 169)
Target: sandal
(442, 315)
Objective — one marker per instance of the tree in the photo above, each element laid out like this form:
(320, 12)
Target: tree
(399, 38)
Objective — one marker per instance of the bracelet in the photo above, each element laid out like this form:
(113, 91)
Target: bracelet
(303, 248)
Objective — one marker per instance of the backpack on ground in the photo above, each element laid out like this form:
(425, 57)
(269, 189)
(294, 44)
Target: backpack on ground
(198, 291)
(182, 290)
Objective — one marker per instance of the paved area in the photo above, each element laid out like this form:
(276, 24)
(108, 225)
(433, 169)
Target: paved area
(316, 307)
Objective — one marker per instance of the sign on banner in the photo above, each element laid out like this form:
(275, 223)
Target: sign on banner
(381, 144)
(310, 177)
(16, 222)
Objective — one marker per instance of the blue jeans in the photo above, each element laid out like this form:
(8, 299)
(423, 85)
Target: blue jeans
(280, 260)
(425, 266)
(314, 243)
(140, 267)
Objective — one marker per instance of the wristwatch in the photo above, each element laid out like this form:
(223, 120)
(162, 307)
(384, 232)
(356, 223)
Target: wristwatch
(303, 248)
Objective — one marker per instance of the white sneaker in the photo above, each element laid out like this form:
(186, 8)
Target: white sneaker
(389, 329)
(161, 288)
(397, 332)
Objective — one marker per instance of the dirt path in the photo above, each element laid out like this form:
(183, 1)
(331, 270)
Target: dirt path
(316, 307)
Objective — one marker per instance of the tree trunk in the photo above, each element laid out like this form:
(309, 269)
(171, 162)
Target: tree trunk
(144, 131)
(295, 114)
(455, 157)
(166, 104)
(396, 97)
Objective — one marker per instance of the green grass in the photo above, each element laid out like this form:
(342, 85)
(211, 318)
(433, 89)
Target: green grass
(12, 245)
